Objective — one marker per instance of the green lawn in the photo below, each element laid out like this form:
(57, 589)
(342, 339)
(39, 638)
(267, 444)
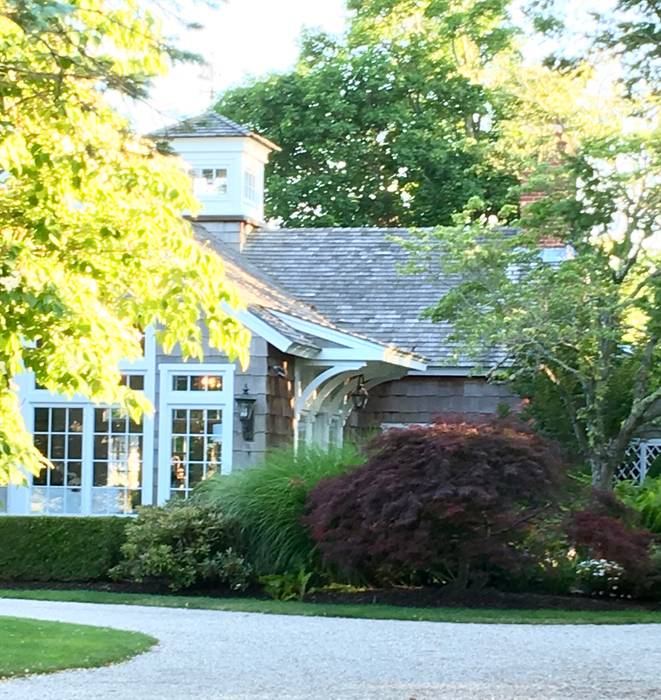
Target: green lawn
(378, 612)
(36, 646)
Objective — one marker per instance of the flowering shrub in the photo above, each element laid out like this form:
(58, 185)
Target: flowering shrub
(600, 577)
(608, 530)
(447, 502)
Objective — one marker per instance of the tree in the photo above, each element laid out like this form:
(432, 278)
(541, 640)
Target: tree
(387, 126)
(450, 501)
(630, 29)
(581, 323)
(93, 248)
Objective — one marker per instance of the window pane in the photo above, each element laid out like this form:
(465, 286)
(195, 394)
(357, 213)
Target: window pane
(74, 473)
(56, 475)
(41, 443)
(100, 474)
(75, 447)
(40, 479)
(56, 447)
(197, 384)
(59, 419)
(100, 447)
(41, 419)
(196, 449)
(3, 499)
(178, 475)
(76, 420)
(213, 453)
(72, 500)
(195, 474)
(135, 427)
(180, 382)
(137, 382)
(179, 421)
(117, 421)
(196, 421)
(101, 416)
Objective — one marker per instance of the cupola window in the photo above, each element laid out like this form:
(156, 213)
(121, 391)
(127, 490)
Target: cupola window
(210, 181)
(250, 190)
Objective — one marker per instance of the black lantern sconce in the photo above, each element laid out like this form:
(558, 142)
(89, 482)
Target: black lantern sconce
(246, 405)
(360, 395)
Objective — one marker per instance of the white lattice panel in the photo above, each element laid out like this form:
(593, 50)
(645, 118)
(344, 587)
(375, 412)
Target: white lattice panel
(639, 459)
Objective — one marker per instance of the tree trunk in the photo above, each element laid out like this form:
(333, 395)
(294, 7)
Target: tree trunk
(602, 473)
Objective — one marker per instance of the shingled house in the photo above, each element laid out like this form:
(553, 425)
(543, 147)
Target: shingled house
(334, 325)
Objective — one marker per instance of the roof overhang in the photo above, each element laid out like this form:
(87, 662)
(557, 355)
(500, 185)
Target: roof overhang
(348, 346)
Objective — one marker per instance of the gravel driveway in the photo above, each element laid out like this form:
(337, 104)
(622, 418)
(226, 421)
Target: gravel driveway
(209, 655)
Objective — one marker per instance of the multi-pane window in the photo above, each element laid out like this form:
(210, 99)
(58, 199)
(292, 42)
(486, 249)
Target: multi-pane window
(58, 434)
(117, 462)
(197, 382)
(133, 381)
(96, 455)
(250, 191)
(196, 445)
(210, 181)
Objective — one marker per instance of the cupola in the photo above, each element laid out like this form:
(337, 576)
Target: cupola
(226, 162)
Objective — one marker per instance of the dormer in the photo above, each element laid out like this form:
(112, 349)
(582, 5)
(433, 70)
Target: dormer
(226, 162)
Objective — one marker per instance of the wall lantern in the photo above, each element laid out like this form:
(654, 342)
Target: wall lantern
(246, 405)
(360, 395)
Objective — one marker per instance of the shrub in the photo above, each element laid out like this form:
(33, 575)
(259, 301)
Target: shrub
(645, 499)
(49, 548)
(182, 545)
(446, 502)
(600, 577)
(268, 500)
(608, 529)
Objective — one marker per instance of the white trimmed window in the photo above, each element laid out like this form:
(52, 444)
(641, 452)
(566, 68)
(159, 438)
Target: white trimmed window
(102, 460)
(58, 434)
(210, 181)
(250, 188)
(195, 426)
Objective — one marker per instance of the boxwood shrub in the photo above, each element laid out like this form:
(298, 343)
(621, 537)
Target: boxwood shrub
(59, 548)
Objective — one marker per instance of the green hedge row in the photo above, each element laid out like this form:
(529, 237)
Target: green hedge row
(59, 548)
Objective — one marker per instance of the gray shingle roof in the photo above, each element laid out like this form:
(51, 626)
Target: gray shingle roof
(209, 124)
(263, 295)
(351, 276)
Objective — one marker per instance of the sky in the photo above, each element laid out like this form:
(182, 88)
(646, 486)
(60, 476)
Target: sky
(244, 38)
(240, 38)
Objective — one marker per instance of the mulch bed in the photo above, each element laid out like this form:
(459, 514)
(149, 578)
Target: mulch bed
(428, 597)
(423, 597)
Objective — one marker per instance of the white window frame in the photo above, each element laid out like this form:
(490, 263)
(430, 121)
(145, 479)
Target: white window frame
(170, 399)
(251, 192)
(201, 187)
(31, 397)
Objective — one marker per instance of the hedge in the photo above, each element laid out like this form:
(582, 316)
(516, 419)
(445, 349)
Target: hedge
(59, 548)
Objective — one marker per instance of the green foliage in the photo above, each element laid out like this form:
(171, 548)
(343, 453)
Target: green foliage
(59, 548)
(591, 325)
(287, 586)
(268, 501)
(93, 247)
(388, 126)
(629, 30)
(181, 545)
(450, 502)
(645, 499)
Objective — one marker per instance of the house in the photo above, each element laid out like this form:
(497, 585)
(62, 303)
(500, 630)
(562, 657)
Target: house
(337, 345)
